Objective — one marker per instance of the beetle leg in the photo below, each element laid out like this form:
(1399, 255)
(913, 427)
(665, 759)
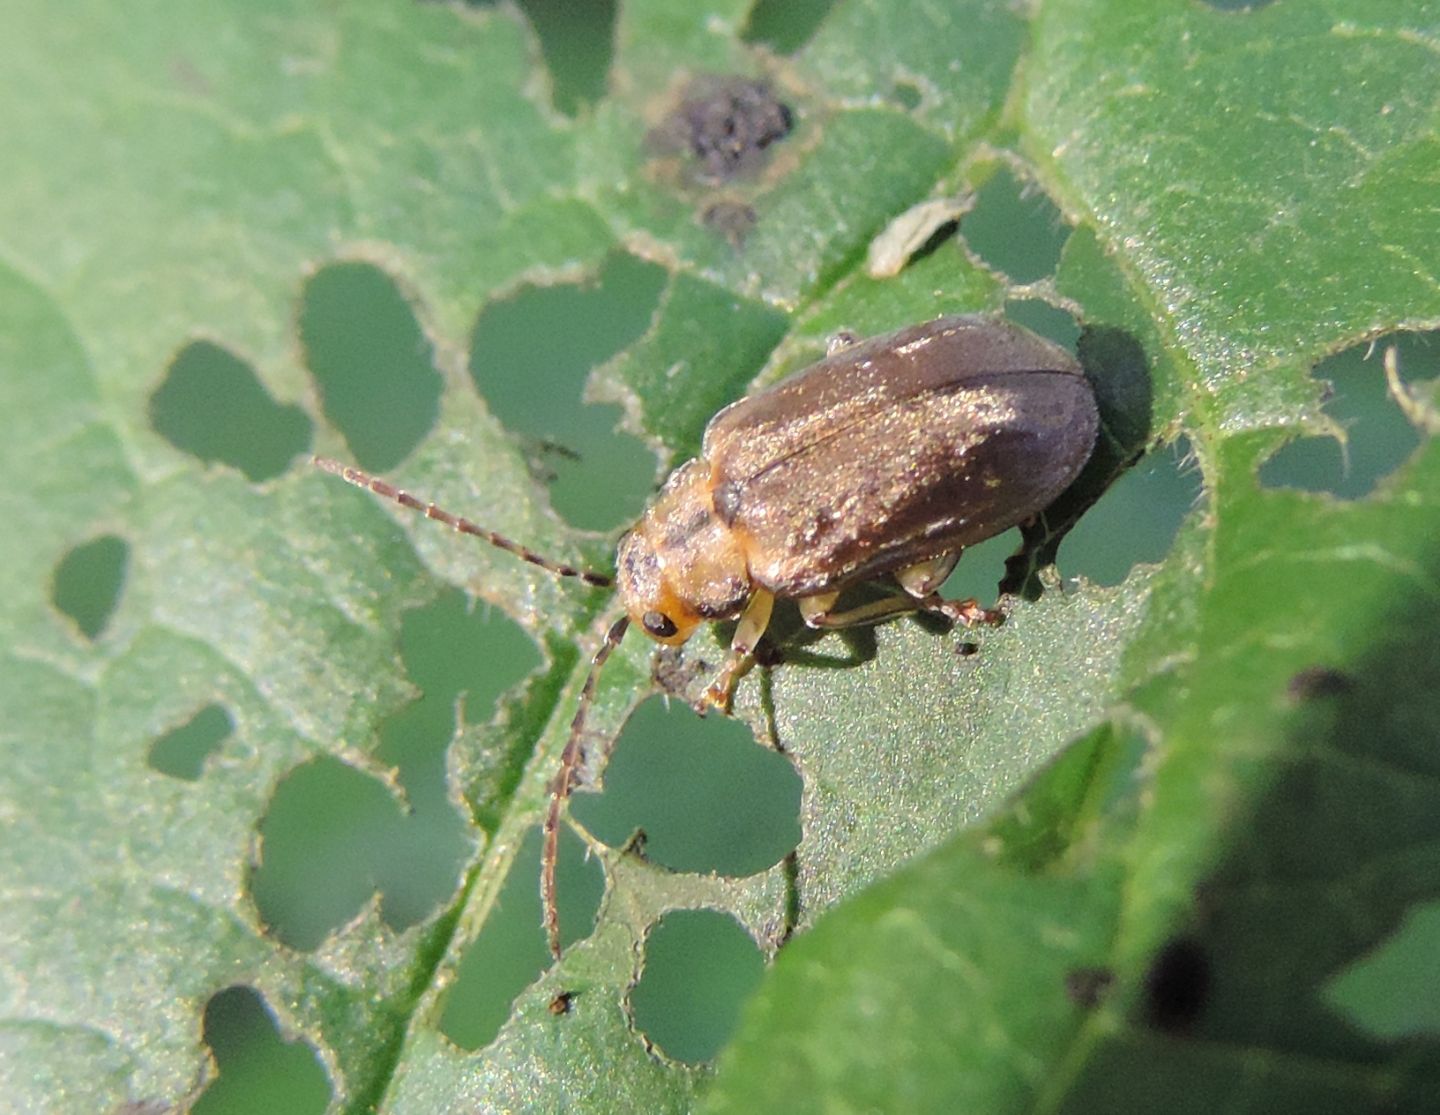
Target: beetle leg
(924, 577)
(816, 610)
(965, 612)
(813, 609)
(753, 621)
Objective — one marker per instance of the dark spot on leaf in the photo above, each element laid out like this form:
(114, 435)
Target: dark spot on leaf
(784, 25)
(1316, 682)
(699, 969)
(1177, 986)
(87, 582)
(371, 361)
(907, 95)
(725, 125)
(181, 752)
(259, 1070)
(562, 1003)
(213, 407)
(531, 355)
(731, 219)
(1087, 987)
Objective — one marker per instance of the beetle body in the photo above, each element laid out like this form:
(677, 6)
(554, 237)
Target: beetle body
(891, 454)
(886, 458)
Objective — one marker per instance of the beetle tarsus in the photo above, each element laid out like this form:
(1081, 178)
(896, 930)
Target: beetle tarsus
(967, 613)
(720, 693)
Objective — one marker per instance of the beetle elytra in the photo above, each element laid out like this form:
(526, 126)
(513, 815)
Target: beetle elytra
(884, 459)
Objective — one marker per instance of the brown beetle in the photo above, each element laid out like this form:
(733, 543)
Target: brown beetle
(886, 458)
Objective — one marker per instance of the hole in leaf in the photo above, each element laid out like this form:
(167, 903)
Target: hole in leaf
(1392, 992)
(213, 407)
(1379, 436)
(334, 835)
(1049, 321)
(371, 361)
(87, 583)
(181, 753)
(1136, 520)
(1015, 228)
(530, 357)
(577, 41)
(700, 967)
(321, 837)
(462, 657)
(510, 951)
(981, 569)
(258, 1069)
(784, 25)
(706, 795)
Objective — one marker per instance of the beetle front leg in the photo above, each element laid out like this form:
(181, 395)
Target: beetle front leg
(753, 621)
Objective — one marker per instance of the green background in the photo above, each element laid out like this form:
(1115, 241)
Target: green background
(275, 753)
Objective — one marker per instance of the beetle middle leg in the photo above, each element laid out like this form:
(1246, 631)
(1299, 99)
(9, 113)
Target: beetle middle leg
(753, 621)
(920, 582)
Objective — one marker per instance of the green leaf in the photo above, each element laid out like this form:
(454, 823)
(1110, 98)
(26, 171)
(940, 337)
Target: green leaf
(1134, 848)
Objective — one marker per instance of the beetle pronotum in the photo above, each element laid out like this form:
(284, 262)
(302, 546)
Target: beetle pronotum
(886, 458)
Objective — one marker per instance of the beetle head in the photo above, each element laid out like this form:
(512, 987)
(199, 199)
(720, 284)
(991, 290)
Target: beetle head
(681, 566)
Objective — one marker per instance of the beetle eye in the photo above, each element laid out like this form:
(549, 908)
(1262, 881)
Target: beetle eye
(659, 624)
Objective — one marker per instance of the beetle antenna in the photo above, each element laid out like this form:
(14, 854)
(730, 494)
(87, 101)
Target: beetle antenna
(374, 484)
(564, 782)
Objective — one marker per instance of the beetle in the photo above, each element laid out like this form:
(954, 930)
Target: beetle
(884, 459)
